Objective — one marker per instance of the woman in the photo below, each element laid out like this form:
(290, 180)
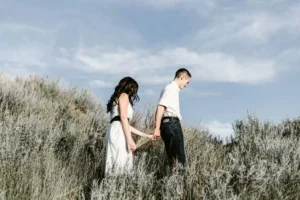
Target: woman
(119, 142)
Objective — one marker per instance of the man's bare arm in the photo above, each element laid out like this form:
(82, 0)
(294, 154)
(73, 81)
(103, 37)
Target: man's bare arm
(158, 116)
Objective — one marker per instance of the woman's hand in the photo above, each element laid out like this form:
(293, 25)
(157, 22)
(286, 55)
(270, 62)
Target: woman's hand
(142, 134)
(131, 145)
(151, 137)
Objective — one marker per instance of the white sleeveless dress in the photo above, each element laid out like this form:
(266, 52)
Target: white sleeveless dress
(119, 159)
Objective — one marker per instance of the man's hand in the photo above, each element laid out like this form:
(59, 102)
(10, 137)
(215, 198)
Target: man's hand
(156, 134)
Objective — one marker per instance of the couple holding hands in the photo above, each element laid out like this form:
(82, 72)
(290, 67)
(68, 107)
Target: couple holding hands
(118, 139)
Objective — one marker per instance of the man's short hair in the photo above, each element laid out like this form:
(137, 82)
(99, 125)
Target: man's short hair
(182, 71)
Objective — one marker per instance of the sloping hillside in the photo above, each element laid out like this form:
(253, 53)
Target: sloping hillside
(51, 147)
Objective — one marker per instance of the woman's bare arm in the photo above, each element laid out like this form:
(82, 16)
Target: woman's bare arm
(137, 132)
(123, 105)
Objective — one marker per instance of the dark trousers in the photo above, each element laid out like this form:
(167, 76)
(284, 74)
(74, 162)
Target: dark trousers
(171, 133)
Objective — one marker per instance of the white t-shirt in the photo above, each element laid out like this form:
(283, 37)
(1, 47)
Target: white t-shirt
(169, 97)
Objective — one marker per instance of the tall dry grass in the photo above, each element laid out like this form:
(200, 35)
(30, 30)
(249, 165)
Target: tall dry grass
(51, 139)
(51, 147)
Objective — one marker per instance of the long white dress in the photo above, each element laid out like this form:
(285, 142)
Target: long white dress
(119, 159)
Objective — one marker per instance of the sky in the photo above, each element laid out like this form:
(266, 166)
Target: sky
(243, 55)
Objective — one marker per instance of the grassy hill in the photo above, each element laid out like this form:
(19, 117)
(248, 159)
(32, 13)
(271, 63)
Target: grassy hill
(51, 147)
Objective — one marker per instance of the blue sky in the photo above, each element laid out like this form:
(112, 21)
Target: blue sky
(243, 55)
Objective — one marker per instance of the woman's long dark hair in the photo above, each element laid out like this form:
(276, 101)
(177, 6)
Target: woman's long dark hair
(126, 85)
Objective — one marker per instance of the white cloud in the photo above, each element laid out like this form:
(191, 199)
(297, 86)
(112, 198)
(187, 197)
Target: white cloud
(162, 3)
(18, 27)
(15, 70)
(158, 4)
(146, 64)
(63, 61)
(157, 67)
(261, 26)
(197, 5)
(101, 84)
(20, 55)
(220, 130)
(258, 23)
(199, 93)
(23, 56)
(108, 62)
(220, 67)
(152, 79)
(149, 92)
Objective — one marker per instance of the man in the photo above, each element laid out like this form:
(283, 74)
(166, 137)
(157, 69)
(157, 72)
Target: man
(168, 117)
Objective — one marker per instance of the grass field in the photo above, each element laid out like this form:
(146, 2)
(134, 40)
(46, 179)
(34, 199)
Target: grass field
(51, 147)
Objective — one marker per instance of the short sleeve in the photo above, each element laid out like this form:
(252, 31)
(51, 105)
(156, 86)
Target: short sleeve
(167, 97)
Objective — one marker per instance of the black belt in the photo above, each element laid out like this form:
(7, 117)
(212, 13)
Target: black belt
(116, 118)
(170, 118)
